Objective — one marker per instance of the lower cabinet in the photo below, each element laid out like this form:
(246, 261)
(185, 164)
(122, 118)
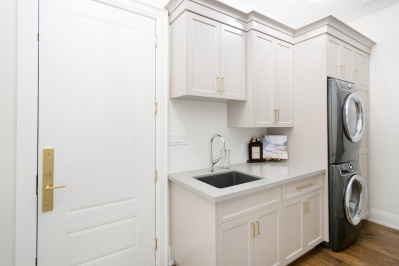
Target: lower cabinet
(302, 225)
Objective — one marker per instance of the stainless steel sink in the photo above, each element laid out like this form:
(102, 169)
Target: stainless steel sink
(226, 179)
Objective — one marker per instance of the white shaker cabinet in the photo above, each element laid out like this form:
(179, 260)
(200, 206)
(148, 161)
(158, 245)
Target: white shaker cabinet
(269, 85)
(207, 59)
(346, 62)
(302, 225)
(235, 242)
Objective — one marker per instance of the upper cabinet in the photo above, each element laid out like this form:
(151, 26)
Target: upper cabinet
(269, 85)
(346, 62)
(207, 59)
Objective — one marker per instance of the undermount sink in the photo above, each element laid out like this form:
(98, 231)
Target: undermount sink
(226, 179)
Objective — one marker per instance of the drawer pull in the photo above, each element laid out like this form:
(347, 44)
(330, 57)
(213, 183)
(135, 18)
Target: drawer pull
(218, 84)
(253, 229)
(304, 207)
(308, 185)
(308, 206)
(258, 233)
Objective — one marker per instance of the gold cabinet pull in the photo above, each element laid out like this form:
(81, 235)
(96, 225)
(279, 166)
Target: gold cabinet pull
(258, 232)
(304, 207)
(275, 115)
(308, 185)
(308, 206)
(54, 187)
(218, 84)
(223, 84)
(253, 229)
(342, 69)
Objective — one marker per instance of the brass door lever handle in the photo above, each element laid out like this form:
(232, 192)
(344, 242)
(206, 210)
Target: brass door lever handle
(54, 187)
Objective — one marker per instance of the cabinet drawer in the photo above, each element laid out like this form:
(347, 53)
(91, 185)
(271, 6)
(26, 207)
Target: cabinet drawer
(301, 187)
(234, 208)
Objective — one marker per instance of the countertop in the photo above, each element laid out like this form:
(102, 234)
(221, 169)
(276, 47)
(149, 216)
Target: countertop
(271, 174)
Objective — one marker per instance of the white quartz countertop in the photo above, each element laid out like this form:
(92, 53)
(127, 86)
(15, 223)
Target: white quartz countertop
(271, 174)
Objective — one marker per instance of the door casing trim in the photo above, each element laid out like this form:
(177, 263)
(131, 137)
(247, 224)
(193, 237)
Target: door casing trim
(26, 127)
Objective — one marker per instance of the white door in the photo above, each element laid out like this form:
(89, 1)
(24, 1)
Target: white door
(346, 61)
(268, 241)
(264, 61)
(235, 242)
(284, 91)
(360, 67)
(233, 67)
(333, 51)
(203, 56)
(96, 109)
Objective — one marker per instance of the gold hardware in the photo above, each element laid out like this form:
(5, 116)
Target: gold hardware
(275, 116)
(155, 175)
(48, 179)
(308, 206)
(223, 84)
(156, 108)
(155, 244)
(218, 84)
(258, 232)
(304, 207)
(156, 41)
(54, 187)
(342, 68)
(308, 185)
(253, 230)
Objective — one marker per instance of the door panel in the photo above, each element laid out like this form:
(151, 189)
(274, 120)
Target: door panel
(235, 243)
(333, 47)
(293, 236)
(268, 243)
(233, 67)
(264, 79)
(360, 67)
(203, 56)
(313, 219)
(346, 62)
(97, 92)
(284, 92)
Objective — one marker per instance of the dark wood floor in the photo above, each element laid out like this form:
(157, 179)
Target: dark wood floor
(376, 245)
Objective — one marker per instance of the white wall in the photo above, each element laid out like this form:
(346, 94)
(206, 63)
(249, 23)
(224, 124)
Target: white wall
(383, 28)
(8, 23)
(201, 120)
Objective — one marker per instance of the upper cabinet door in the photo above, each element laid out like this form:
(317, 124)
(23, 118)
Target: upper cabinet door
(268, 241)
(345, 67)
(313, 224)
(233, 66)
(263, 79)
(333, 50)
(360, 67)
(235, 242)
(203, 55)
(283, 85)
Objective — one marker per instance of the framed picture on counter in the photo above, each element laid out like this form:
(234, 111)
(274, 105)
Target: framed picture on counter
(275, 147)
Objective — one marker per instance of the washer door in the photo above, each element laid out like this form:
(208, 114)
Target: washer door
(355, 198)
(353, 117)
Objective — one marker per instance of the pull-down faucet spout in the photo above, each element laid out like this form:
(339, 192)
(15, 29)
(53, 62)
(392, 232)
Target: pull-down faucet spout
(211, 161)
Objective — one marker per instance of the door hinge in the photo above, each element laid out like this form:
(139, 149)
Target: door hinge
(37, 36)
(155, 175)
(156, 41)
(156, 108)
(155, 244)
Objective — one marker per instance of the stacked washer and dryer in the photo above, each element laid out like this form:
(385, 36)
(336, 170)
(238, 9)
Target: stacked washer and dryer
(347, 190)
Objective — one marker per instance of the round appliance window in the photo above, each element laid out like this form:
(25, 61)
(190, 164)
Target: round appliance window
(355, 199)
(353, 117)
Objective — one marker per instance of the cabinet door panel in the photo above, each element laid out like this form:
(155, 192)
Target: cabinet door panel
(313, 219)
(233, 67)
(346, 62)
(333, 47)
(264, 78)
(268, 243)
(283, 84)
(293, 237)
(235, 243)
(203, 56)
(360, 67)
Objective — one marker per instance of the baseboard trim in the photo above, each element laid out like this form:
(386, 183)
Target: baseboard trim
(384, 218)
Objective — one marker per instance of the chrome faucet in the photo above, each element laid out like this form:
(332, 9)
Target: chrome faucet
(211, 161)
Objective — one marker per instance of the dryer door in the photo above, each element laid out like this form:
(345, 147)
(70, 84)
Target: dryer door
(353, 117)
(355, 198)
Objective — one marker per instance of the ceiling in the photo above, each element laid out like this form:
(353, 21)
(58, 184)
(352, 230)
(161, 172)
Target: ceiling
(298, 13)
